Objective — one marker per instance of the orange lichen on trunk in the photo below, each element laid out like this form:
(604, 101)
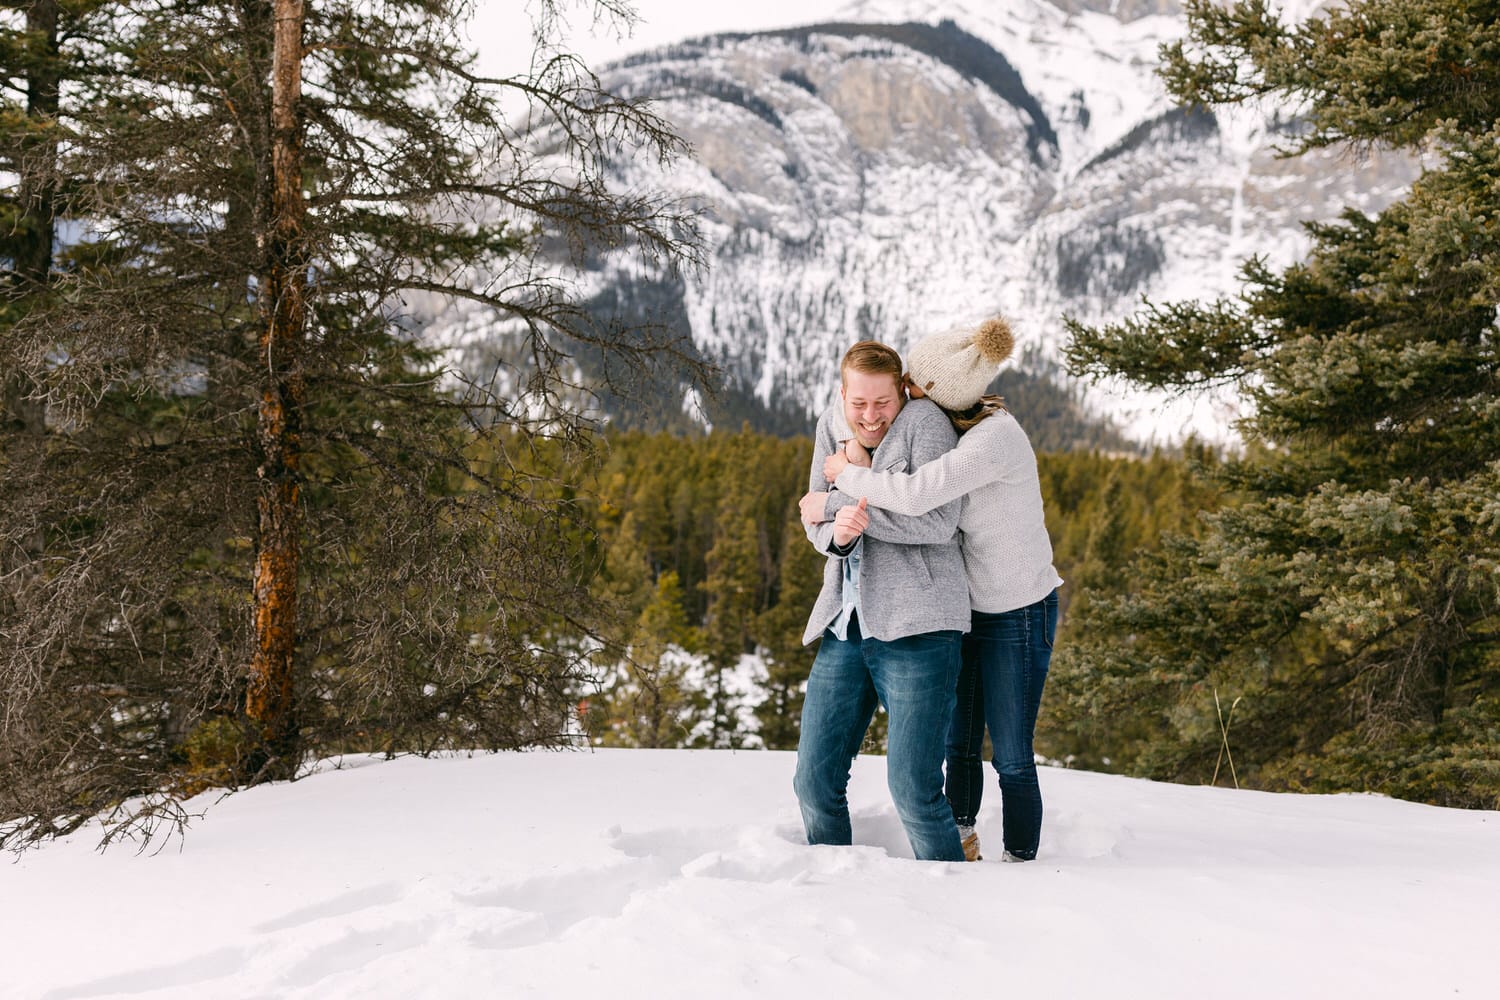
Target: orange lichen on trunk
(271, 695)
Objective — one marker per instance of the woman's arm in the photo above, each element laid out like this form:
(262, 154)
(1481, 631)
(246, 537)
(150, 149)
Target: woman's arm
(923, 435)
(945, 478)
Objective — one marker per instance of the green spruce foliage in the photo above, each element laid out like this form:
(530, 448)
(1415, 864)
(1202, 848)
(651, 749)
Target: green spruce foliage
(429, 573)
(650, 699)
(694, 532)
(1348, 594)
(733, 587)
(779, 628)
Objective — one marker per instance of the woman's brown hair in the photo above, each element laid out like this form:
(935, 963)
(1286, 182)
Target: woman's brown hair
(962, 420)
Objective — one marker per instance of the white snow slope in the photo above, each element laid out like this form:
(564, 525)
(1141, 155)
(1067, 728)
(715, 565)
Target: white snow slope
(660, 874)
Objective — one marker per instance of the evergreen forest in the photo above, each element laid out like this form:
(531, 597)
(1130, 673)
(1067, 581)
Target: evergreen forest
(704, 560)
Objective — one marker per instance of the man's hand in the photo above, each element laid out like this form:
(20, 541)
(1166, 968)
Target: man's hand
(852, 453)
(814, 507)
(850, 522)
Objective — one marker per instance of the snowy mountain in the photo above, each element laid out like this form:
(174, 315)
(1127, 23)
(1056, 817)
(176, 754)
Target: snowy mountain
(918, 164)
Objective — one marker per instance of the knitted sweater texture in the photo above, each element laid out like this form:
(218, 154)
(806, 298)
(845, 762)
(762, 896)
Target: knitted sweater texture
(1007, 554)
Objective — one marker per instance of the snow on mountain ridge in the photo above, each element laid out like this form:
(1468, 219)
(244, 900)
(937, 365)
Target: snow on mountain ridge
(922, 164)
(871, 144)
(1047, 44)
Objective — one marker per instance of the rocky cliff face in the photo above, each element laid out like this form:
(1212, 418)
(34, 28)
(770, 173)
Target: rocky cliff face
(917, 165)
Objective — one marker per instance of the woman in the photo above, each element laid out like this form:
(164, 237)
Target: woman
(1008, 560)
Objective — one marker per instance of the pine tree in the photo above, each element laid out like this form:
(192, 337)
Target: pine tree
(1104, 549)
(780, 628)
(732, 587)
(35, 65)
(264, 508)
(626, 580)
(46, 48)
(652, 700)
(1347, 596)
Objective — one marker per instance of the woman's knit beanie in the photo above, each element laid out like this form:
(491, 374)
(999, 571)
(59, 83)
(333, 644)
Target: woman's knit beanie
(955, 368)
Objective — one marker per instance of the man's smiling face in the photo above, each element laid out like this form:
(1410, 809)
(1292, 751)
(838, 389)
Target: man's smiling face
(871, 402)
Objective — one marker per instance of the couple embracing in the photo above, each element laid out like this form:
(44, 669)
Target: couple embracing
(939, 596)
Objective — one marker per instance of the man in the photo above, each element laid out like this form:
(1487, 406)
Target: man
(892, 611)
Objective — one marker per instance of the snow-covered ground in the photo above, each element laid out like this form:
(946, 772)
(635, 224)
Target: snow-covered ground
(652, 874)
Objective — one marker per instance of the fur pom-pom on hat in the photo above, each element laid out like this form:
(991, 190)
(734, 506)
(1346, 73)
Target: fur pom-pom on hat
(994, 340)
(954, 368)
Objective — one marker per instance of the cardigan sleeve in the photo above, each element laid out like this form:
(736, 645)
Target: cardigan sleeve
(946, 478)
(821, 534)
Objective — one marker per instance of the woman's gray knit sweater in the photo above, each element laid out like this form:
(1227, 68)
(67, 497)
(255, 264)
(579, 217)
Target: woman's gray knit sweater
(1007, 554)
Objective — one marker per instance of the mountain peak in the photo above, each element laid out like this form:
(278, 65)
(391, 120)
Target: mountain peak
(913, 166)
(1123, 11)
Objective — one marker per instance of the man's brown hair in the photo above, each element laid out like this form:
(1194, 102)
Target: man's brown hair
(873, 358)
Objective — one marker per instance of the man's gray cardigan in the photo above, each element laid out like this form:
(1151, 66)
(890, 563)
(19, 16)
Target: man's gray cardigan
(911, 574)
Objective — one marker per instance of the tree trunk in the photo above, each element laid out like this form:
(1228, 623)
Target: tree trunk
(270, 700)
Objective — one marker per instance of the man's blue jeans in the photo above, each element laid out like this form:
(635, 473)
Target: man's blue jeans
(1005, 661)
(914, 678)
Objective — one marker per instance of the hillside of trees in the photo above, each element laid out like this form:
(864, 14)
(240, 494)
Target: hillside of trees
(701, 552)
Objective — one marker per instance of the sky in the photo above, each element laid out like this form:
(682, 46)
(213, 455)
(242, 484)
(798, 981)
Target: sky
(501, 29)
(683, 874)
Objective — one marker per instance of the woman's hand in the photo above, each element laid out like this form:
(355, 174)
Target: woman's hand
(814, 507)
(853, 453)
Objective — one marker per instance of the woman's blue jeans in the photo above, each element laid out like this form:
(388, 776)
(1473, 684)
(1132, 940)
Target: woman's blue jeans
(914, 678)
(1005, 661)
